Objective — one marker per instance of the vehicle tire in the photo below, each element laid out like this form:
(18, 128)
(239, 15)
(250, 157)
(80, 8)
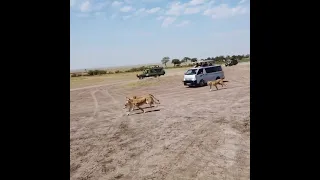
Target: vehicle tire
(218, 78)
(201, 83)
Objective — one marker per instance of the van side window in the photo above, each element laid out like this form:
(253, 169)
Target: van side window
(209, 70)
(200, 71)
(217, 69)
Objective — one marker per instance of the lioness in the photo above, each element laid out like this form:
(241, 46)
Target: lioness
(139, 101)
(216, 82)
(150, 97)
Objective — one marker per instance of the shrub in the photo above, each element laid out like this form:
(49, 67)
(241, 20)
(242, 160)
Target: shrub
(96, 72)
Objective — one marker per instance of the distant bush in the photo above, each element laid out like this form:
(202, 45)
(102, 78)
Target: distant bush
(96, 72)
(135, 69)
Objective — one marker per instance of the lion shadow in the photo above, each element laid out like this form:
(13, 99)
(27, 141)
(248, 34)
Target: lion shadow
(147, 111)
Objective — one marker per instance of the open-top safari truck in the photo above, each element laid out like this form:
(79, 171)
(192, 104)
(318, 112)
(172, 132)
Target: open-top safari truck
(231, 62)
(152, 71)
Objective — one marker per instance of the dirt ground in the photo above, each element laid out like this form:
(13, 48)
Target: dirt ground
(192, 134)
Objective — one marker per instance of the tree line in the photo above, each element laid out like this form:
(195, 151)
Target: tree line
(176, 62)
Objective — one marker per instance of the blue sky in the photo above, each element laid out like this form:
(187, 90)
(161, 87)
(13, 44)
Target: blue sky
(106, 33)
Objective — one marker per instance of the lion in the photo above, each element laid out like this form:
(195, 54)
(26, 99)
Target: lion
(136, 101)
(216, 83)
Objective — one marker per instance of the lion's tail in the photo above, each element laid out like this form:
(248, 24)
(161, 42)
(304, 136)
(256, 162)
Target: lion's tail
(225, 81)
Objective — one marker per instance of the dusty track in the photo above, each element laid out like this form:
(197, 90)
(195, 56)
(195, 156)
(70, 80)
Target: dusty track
(193, 134)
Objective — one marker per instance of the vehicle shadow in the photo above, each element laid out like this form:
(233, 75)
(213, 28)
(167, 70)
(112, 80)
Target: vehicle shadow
(197, 86)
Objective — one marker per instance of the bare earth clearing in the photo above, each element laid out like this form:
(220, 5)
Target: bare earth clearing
(192, 134)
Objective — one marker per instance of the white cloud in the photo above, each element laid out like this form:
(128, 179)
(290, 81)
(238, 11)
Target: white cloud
(126, 17)
(88, 5)
(224, 11)
(128, 1)
(167, 21)
(99, 6)
(191, 7)
(85, 6)
(242, 1)
(175, 8)
(145, 12)
(160, 18)
(126, 9)
(151, 1)
(116, 3)
(183, 23)
(153, 10)
(141, 10)
(196, 2)
(193, 10)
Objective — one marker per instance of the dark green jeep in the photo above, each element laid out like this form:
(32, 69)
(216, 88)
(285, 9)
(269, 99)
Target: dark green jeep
(153, 71)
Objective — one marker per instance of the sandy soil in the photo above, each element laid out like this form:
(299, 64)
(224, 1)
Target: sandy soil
(192, 134)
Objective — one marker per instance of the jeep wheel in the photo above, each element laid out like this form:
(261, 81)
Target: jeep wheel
(218, 78)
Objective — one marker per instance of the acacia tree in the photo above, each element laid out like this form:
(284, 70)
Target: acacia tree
(165, 60)
(175, 62)
(185, 59)
(194, 60)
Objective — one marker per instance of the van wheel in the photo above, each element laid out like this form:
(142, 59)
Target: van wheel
(201, 83)
(218, 78)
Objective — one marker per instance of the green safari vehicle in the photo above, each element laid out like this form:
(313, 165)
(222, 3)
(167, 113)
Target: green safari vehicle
(152, 71)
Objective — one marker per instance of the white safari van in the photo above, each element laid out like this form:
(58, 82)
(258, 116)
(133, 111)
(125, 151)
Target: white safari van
(201, 75)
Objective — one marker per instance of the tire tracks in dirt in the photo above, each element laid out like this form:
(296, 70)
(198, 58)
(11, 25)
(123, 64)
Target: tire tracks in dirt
(96, 104)
(96, 152)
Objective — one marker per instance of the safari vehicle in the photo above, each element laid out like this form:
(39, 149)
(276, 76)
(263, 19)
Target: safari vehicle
(199, 76)
(152, 71)
(231, 62)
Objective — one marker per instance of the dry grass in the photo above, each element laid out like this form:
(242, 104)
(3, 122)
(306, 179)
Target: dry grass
(78, 82)
(144, 82)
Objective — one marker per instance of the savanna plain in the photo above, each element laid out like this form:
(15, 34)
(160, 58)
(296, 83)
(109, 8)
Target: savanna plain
(192, 134)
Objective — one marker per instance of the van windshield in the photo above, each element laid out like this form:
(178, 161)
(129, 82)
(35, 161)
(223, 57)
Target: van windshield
(191, 72)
